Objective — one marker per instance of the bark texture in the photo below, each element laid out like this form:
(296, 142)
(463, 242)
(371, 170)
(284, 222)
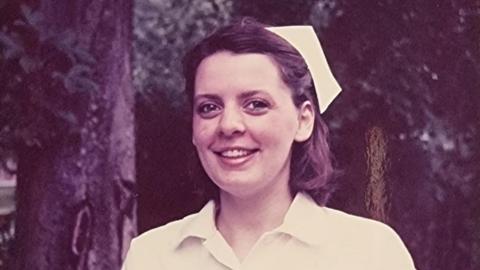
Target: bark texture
(76, 199)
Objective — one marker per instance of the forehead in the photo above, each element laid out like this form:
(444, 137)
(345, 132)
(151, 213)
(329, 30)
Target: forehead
(247, 71)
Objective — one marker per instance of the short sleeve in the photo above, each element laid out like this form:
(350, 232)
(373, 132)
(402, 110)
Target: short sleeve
(146, 252)
(128, 262)
(394, 253)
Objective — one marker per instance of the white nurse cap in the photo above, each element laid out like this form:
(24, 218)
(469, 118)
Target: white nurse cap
(304, 39)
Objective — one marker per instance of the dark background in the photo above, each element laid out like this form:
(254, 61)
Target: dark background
(404, 131)
(410, 76)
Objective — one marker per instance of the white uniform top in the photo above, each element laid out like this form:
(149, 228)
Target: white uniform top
(311, 237)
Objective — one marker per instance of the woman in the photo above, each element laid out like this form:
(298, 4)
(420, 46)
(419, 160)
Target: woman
(260, 139)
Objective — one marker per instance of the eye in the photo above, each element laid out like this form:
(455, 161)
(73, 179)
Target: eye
(208, 110)
(257, 106)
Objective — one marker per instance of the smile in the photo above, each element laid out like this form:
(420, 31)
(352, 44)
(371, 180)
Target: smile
(235, 156)
(234, 153)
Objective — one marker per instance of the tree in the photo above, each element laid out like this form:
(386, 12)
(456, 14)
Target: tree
(71, 127)
(404, 131)
(163, 31)
(411, 70)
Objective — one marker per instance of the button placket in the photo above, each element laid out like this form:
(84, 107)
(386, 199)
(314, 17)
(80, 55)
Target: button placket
(260, 253)
(221, 251)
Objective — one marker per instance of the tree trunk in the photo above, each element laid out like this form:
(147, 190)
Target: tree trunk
(76, 200)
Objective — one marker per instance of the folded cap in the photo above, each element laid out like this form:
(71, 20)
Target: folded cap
(305, 41)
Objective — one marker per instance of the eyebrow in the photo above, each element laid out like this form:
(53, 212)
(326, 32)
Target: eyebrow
(243, 95)
(250, 93)
(206, 96)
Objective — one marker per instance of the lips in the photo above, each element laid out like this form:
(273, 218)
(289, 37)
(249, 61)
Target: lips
(235, 155)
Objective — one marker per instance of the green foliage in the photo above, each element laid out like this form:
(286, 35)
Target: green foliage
(279, 12)
(164, 30)
(43, 75)
(410, 68)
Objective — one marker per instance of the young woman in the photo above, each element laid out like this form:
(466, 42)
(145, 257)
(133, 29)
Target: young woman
(256, 94)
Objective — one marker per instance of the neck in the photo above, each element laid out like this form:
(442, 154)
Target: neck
(257, 212)
(242, 221)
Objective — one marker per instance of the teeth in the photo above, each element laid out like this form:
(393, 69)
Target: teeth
(235, 153)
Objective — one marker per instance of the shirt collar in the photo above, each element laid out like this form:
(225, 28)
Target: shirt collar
(303, 221)
(200, 225)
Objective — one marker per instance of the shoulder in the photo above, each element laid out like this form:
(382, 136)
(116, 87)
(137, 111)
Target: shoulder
(316, 224)
(164, 236)
(345, 223)
(375, 240)
(148, 250)
(356, 229)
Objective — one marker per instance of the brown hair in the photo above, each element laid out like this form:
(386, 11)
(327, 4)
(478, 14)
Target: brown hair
(311, 166)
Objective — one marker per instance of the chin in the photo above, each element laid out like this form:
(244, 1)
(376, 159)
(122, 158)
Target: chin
(239, 187)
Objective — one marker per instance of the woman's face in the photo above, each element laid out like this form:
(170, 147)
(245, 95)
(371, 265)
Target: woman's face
(244, 123)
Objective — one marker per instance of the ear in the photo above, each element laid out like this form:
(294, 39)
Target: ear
(306, 121)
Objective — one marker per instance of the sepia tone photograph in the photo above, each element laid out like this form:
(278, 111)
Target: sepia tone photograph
(222, 134)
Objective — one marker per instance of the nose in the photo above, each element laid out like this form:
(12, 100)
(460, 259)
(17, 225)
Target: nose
(231, 122)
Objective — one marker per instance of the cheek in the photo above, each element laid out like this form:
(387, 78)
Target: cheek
(202, 132)
(276, 131)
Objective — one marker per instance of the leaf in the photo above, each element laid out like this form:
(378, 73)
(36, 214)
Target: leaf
(57, 75)
(28, 64)
(79, 79)
(28, 136)
(11, 48)
(69, 85)
(84, 56)
(69, 117)
(33, 17)
(36, 18)
(65, 42)
(80, 70)
(79, 84)
(26, 10)
(66, 39)
(86, 85)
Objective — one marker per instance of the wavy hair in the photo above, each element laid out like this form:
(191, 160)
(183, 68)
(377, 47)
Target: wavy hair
(311, 165)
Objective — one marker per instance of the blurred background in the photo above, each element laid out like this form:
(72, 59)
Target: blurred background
(95, 141)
